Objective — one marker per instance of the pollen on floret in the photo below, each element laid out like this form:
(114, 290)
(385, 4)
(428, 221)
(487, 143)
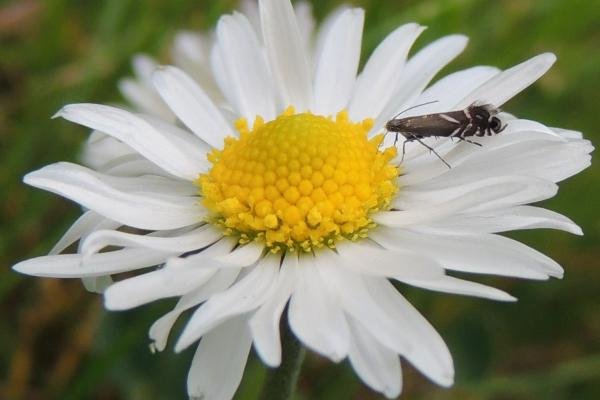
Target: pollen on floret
(299, 182)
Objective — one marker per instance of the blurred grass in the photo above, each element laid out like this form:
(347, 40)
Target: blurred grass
(57, 343)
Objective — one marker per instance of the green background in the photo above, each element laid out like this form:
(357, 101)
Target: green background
(56, 341)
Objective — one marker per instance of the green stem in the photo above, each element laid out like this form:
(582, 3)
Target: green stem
(280, 382)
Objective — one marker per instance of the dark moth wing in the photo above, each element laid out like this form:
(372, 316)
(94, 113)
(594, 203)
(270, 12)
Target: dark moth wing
(442, 124)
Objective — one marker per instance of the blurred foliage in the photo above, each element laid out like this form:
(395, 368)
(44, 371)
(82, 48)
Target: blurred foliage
(56, 342)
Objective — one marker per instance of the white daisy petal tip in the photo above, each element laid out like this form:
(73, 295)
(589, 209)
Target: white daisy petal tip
(184, 341)
(116, 299)
(26, 267)
(458, 40)
(446, 380)
(112, 302)
(153, 348)
(508, 298)
(568, 225)
(58, 114)
(557, 272)
(29, 178)
(538, 65)
(547, 59)
(271, 360)
(66, 111)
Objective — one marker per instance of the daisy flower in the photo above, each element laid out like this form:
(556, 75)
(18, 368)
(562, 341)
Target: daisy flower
(279, 194)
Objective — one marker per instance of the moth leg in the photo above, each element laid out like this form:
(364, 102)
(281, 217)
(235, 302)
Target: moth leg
(432, 150)
(470, 141)
(403, 147)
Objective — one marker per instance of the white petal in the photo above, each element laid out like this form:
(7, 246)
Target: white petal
(247, 294)
(82, 226)
(400, 265)
(286, 53)
(242, 256)
(429, 354)
(144, 99)
(105, 223)
(488, 194)
(87, 188)
(449, 90)
(502, 87)
(506, 219)
(88, 222)
(218, 70)
(350, 290)
(449, 284)
(100, 149)
(526, 135)
(314, 315)
(338, 62)
(94, 284)
(306, 22)
(194, 145)
(520, 126)
(246, 69)
(151, 185)
(554, 162)
(439, 191)
(190, 52)
(377, 366)
(132, 165)
(219, 362)
(97, 284)
(264, 324)
(143, 65)
(323, 32)
(550, 158)
(189, 49)
(394, 324)
(155, 285)
(221, 280)
(250, 9)
(193, 240)
(475, 253)
(567, 133)
(138, 133)
(382, 71)
(419, 70)
(72, 265)
(191, 105)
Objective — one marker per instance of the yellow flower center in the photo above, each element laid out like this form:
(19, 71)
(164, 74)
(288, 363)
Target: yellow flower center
(299, 182)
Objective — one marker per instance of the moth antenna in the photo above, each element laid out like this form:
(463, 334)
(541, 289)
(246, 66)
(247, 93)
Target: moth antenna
(418, 105)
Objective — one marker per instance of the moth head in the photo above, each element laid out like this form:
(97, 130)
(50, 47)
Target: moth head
(495, 124)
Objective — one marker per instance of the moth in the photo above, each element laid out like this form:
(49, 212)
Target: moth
(475, 120)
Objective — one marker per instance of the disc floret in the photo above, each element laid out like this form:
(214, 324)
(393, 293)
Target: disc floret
(299, 182)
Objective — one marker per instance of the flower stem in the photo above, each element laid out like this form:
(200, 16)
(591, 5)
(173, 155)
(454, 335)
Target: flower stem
(280, 382)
